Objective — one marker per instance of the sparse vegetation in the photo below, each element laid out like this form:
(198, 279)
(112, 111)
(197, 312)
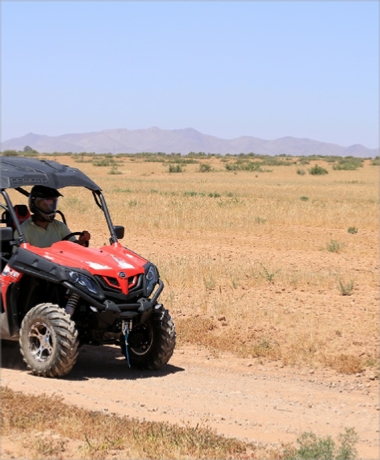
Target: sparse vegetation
(312, 447)
(54, 429)
(334, 246)
(317, 171)
(205, 167)
(175, 168)
(244, 165)
(208, 233)
(104, 162)
(103, 436)
(345, 363)
(346, 288)
(260, 220)
(114, 170)
(348, 164)
(10, 153)
(266, 274)
(301, 306)
(265, 348)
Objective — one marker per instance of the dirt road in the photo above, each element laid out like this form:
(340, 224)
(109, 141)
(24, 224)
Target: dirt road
(267, 404)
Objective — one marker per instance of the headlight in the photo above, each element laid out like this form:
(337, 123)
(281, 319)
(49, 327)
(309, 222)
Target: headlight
(84, 281)
(151, 278)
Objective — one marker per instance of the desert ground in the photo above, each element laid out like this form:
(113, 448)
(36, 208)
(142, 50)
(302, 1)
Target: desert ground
(271, 277)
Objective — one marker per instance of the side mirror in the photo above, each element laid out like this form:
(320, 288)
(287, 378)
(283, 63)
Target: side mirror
(119, 230)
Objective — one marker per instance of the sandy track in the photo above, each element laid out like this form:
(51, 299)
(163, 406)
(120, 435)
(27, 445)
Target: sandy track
(265, 404)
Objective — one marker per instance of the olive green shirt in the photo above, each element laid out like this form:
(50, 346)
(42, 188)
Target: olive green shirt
(37, 236)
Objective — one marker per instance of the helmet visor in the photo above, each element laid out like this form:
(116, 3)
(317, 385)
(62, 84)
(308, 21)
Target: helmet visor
(46, 205)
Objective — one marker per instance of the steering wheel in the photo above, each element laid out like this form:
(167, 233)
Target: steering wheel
(67, 237)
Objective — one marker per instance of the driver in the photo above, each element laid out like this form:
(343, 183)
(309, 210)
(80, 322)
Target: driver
(42, 229)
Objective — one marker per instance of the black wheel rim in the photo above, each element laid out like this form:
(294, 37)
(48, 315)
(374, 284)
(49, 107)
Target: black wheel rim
(141, 340)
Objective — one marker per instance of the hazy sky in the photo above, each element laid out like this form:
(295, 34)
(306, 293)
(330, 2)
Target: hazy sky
(269, 69)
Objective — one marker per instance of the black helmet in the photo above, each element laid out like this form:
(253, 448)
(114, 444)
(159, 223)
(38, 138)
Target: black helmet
(43, 202)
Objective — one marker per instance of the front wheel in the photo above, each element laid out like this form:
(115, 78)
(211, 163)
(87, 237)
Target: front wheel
(48, 341)
(151, 344)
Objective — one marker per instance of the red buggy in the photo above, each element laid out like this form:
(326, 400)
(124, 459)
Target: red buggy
(55, 299)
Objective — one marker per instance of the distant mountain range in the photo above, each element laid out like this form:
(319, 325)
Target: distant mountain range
(181, 141)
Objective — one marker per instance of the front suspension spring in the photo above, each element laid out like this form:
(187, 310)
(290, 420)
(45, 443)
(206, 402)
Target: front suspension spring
(72, 304)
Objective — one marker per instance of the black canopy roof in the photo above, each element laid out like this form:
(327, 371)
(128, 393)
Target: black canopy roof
(18, 172)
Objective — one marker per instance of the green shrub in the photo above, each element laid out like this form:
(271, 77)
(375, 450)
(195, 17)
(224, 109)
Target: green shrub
(81, 158)
(30, 152)
(332, 159)
(175, 168)
(104, 162)
(348, 164)
(346, 288)
(317, 170)
(313, 448)
(273, 161)
(334, 246)
(205, 167)
(114, 170)
(352, 230)
(260, 220)
(301, 172)
(244, 165)
(182, 161)
(268, 275)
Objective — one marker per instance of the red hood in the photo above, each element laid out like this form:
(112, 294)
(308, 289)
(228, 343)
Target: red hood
(104, 261)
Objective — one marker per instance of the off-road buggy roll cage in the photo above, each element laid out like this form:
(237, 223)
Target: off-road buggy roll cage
(18, 172)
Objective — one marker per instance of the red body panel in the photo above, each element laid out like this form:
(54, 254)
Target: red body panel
(8, 277)
(113, 261)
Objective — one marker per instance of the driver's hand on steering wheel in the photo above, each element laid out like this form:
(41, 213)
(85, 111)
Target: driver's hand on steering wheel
(84, 238)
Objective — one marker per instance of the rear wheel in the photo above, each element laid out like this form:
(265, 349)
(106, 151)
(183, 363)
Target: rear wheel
(151, 344)
(48, 341)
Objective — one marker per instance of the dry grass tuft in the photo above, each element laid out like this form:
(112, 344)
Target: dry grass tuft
(345, 364)
(56, 430)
